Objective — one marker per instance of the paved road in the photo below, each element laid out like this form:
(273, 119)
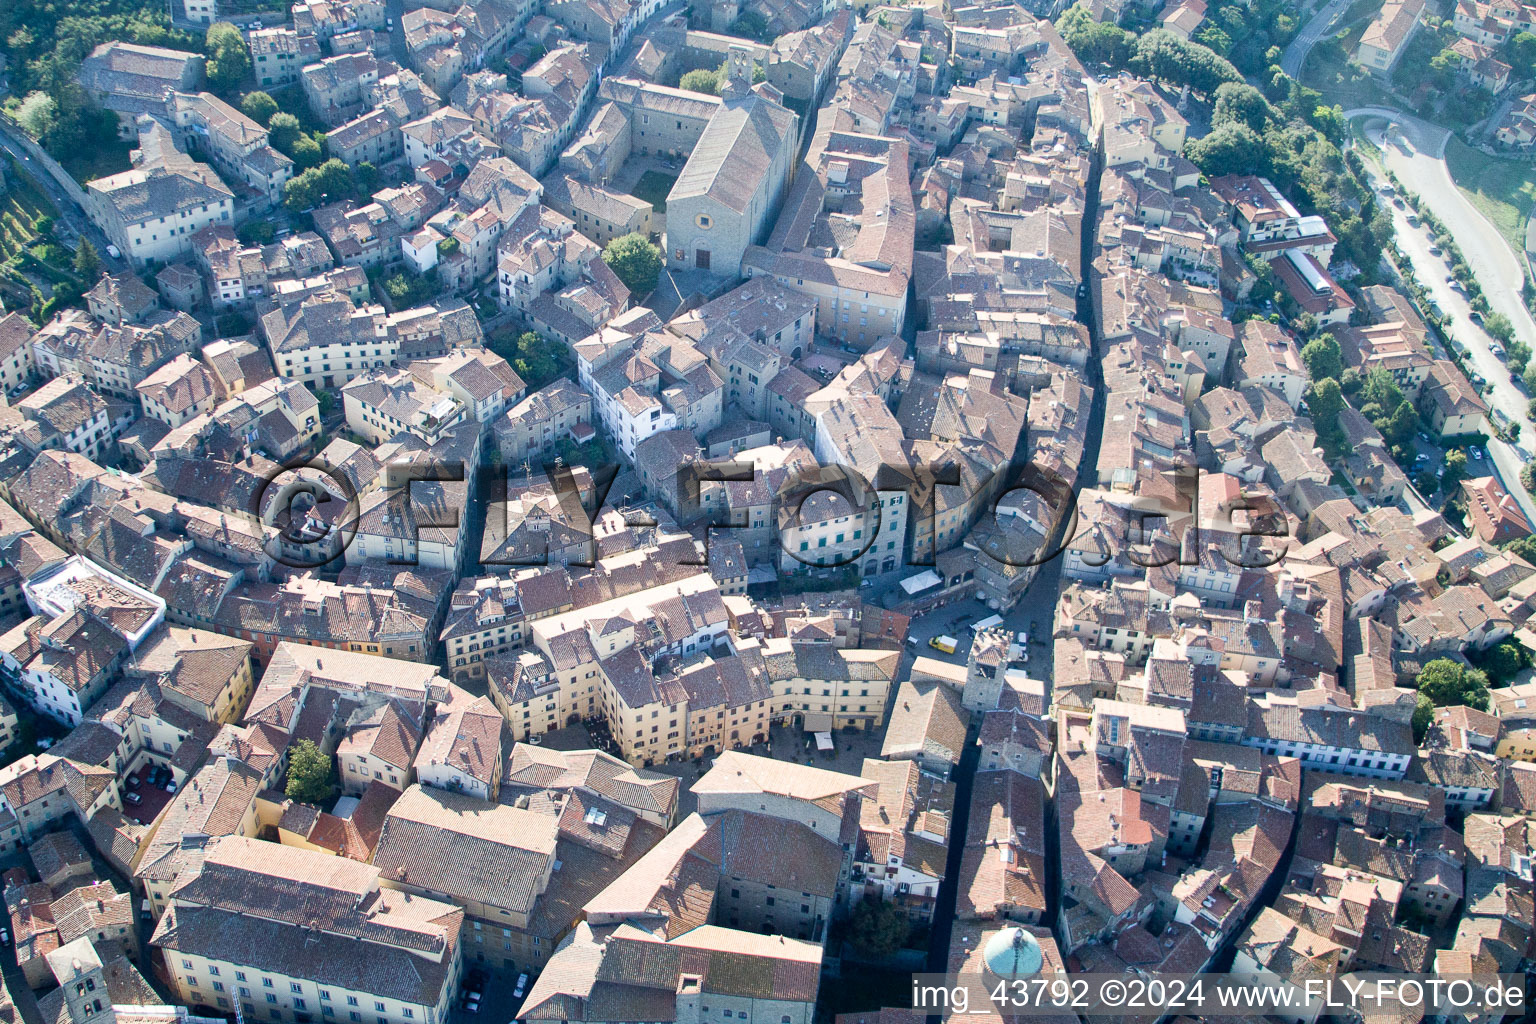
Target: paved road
(73, 216)
(1315, 28)
(1416, 155)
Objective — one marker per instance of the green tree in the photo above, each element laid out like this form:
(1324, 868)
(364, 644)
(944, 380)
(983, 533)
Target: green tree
(1443, 67)
(309, 773)
(536, 360)
(1379, 389)
(1093, 40)
(1503, 662)
(87, 262)
(701, 80)
(229, 62)
(1423, 717)
(1523, 547)
(256, 232)
(1397, 429)
(1517, 355)
(407, 290)
(750, 24)
(877, 928)
(1228, 149)
(258, 106)
(305, 153)
(1448, 683)
(38, 114)
(282, 131)
(1241, 103)
(1323, 358)
(1455, 468)
(1330, 121)
(1325, 401)
(301, 193)
(367, 178)
(1499, 327)
(636, 261)
(1521, 52)
(335, 179)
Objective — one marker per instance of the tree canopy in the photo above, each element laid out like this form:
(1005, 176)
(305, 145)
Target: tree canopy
(309, 773)
(636, 261)
(1323, 358)
(536, 359)
(229, 62)
(1448, 683)
(702, 80)
(878, 928)
(259, 107)
(87, 261)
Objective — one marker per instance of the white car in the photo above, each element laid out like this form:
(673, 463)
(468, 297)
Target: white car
(114, 252)
(521, 987)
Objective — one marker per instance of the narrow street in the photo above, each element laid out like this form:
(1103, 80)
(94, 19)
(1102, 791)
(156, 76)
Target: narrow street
(1039, 604)
(70, 212)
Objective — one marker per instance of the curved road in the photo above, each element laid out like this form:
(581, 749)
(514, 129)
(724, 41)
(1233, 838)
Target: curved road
(1416, 155)
(1316, 27)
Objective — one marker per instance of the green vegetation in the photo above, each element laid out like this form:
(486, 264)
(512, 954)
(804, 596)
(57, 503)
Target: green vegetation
(229, 62)
(309, 773)
(1502, 662)
(87, 262)
(1423, 717)
(45, 42)
(256, 232)
(1325, 401)
(330, 182)
(1323, 358)
(1282, 131)
(1447, 683)
(877, 928)
(536, 359)
(232, 325)
(258, 106)
(705, 80)
(1329, 71)
(636, 261)
(22, 207)
(1381, 401)
(1293, 140)
(406, 290)
(1241, 35)
(654, 187)
(1501, 190)
(751, 25)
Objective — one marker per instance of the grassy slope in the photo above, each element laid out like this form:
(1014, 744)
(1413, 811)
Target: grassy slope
(1502, 190)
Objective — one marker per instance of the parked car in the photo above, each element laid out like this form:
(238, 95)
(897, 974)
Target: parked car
(1475, 452)
(114, 252)
(521, 987)
(133, 798)
(170, 787)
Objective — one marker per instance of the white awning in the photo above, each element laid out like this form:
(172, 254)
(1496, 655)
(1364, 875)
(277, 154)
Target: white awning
(823, 741)
(922, 581)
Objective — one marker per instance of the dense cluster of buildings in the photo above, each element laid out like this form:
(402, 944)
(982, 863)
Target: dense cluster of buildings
(937, 310)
